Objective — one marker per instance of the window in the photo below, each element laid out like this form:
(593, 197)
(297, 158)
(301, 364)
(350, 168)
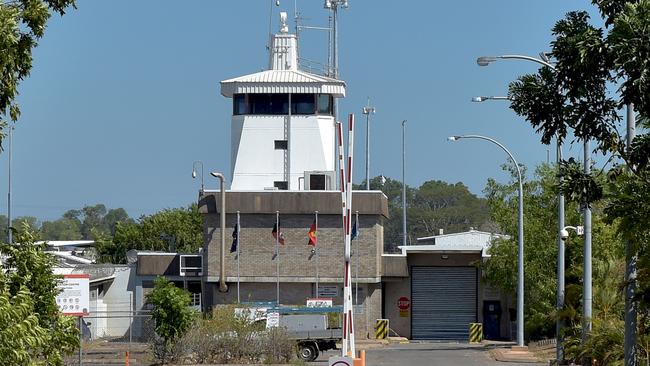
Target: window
(239, 104)
(317, 182)
(268, 104)
(303, 104)
(325, 104)
(281, 145)
(281, 185)
(275, 104)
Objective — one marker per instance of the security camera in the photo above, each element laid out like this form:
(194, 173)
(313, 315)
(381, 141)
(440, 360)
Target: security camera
(564, 234)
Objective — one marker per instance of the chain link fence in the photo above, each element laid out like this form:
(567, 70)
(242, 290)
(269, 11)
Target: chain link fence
(115, 338)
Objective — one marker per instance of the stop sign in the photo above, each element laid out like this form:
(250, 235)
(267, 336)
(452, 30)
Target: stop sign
(403, 303)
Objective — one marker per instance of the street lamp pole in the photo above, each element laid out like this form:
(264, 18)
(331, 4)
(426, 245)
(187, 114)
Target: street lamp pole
(520, 239)
(223, 287)
(403, 183)
(9, 233)
(367, 111)
(485, 61)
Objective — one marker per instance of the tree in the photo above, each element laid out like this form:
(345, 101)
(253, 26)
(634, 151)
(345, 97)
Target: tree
(179, 229)
(28, 274)
(20, 332)
(85, 223)
(171, 312)
(31, 221)
(434, 206)
(23, 24)
(61, 229)
(578, 97)
(540, 218)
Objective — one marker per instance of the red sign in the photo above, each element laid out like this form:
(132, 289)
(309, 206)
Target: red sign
(403, 303)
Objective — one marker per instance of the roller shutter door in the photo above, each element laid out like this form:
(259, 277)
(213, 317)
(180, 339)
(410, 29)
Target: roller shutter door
(443, 302)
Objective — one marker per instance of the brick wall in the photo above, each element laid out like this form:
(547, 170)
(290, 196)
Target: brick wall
(297, 262)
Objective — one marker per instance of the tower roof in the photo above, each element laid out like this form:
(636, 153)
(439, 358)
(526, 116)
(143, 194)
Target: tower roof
(283, 81)
(283, 76)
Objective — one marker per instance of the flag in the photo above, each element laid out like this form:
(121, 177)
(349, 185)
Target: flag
(235, 239)
(355, 231)
(279, 238)
(313, 239)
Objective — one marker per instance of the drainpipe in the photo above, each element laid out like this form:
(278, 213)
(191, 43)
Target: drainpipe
(222, 271)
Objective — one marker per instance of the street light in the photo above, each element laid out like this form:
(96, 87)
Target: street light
(484, 98)
(544, 61)
(222, 274)
(367, 111)
(194, 172)
(520, 239)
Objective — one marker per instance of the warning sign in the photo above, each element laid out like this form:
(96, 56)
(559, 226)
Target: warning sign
(404, 304)
(74, 298)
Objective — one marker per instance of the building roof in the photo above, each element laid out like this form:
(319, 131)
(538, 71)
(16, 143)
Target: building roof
(472, 241)
(68, 243)
(283, 81)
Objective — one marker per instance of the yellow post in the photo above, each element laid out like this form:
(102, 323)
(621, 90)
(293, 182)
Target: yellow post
(381, 329)
(475, 332)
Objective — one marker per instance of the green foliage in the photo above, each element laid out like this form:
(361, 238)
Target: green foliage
(22, 24)
(540, 247)
(434, 205)
(591, 61)
(179, 229)
(21, 336)
(226, 338)
(27, 274)
(86, 223)
(171, 312)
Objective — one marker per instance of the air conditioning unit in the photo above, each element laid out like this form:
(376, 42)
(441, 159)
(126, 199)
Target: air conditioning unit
(191, 265)
(320, 180)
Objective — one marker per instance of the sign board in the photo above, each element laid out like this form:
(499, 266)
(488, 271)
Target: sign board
(272, 320)
(320, 302)
(340, 361)
(403, 303)
(328, 291)
(74, 298)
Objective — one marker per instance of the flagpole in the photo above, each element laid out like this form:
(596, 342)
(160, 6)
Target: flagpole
(277, 257)
(238, 255)
(356, 274)
(317, 259)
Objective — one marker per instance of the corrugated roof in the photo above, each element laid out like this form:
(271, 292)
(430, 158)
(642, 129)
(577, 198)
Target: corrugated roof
(283, 81)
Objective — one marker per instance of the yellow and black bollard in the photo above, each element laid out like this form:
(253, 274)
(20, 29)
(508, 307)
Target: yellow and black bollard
(475, 332)
(381, 329)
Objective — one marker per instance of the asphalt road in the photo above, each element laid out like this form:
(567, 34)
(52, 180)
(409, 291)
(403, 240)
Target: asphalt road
(427, 354)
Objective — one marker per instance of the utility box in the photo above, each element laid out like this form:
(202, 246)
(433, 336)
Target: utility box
(304, 322)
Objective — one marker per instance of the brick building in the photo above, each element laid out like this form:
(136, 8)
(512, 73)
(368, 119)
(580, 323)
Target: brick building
(299, 267)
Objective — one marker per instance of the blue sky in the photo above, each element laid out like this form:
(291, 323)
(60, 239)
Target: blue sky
(124, 95)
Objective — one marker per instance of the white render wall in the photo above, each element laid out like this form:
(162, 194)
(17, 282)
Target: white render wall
(256, 164)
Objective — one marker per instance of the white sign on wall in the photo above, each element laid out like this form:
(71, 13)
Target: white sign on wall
(74, 298)
(320, 302)
(272, 320)
(328, 291)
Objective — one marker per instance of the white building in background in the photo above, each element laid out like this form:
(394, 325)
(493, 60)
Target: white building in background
(283, 123)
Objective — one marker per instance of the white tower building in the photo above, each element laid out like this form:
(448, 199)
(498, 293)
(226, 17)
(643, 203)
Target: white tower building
(283, 124)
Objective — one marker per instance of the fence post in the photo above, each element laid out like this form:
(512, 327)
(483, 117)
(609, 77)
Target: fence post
(81, 340)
